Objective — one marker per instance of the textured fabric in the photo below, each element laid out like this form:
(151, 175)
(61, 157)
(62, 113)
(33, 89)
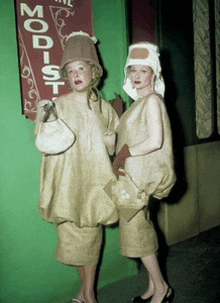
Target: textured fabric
(72, 182)
(137, 238)
(80, 46)
(153, 173)
(126, 196)
(78, 246)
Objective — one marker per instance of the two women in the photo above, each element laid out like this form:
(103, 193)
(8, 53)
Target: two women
(73, 183)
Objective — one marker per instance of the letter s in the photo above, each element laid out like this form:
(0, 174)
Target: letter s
(52, 71)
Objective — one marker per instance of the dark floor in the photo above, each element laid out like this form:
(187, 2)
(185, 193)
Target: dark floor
(192, 269)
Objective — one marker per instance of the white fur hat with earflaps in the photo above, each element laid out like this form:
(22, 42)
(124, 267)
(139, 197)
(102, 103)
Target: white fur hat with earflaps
(143, 53)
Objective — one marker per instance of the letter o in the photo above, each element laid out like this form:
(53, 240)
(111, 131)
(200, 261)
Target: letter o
(27, 26)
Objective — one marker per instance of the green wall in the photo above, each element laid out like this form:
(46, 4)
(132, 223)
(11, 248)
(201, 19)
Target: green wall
(109, 26)
(29, 273)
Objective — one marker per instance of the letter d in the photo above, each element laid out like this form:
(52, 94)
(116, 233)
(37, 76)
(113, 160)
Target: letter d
(37, 42)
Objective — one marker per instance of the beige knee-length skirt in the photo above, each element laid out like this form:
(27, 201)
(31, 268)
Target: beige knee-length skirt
(137, 238)
(78, 246)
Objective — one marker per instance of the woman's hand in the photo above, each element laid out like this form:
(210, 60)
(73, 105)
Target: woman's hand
(119, 162)
(42, 106)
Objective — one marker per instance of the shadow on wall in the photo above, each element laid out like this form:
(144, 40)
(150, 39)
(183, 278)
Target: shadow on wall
(171, 95)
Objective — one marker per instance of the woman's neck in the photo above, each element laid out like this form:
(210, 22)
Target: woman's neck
(144, 92)
(80, 96)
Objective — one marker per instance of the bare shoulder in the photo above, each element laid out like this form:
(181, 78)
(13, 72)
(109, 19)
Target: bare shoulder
(154, 101)
(154, 98)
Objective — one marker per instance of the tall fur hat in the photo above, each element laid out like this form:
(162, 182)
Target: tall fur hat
(79, 46)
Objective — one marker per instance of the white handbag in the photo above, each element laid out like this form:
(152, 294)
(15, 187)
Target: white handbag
(53, 137)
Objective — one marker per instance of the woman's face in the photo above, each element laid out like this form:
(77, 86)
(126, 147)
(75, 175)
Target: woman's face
(141, 77)
(79, 75)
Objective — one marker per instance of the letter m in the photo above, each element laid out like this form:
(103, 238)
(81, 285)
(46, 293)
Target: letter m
(38, 10)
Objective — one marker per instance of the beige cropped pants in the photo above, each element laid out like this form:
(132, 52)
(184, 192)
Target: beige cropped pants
(78, 246)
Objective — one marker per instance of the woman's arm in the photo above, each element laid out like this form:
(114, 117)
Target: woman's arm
(151, 144)
(155, 130)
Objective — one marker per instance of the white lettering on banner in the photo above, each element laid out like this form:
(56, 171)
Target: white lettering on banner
(55, 86)
(27, 26)
(66, 2)
(38, 9)
(36, 42)
(43, 42)
(46, 58)
(51, 70)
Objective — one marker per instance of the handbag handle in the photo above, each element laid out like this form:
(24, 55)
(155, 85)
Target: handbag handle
(49, 109)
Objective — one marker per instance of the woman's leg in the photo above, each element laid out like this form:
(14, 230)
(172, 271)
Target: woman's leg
(80, 295)
(87, 276)
(160, 287)
(89, 279)
(150, 291)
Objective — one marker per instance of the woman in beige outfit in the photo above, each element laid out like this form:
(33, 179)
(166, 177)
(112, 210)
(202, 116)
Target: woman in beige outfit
(144, 158)
(72, 182)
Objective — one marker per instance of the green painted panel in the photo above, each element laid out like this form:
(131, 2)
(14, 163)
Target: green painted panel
(109, 27)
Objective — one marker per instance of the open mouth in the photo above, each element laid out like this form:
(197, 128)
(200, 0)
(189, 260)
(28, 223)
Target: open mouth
(78, 82)
(137, 82)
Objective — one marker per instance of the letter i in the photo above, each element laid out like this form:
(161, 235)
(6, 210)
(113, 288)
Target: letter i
(46, 58)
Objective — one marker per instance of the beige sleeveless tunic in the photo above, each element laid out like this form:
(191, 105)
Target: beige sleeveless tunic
(72, 182)
(154, 173)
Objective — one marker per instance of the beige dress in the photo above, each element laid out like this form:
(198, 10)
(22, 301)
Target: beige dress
(72, 182)
(152, 174)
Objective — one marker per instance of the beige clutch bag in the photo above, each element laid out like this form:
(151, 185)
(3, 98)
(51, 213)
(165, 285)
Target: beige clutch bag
(53, 137)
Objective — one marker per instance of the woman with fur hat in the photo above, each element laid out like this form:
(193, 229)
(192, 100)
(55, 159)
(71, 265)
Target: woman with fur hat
(72, 182)
(144, 164)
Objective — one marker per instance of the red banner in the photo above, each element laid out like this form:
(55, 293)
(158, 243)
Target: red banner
(42, 29)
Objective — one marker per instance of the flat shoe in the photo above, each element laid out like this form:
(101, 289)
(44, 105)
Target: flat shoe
(138, 299)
